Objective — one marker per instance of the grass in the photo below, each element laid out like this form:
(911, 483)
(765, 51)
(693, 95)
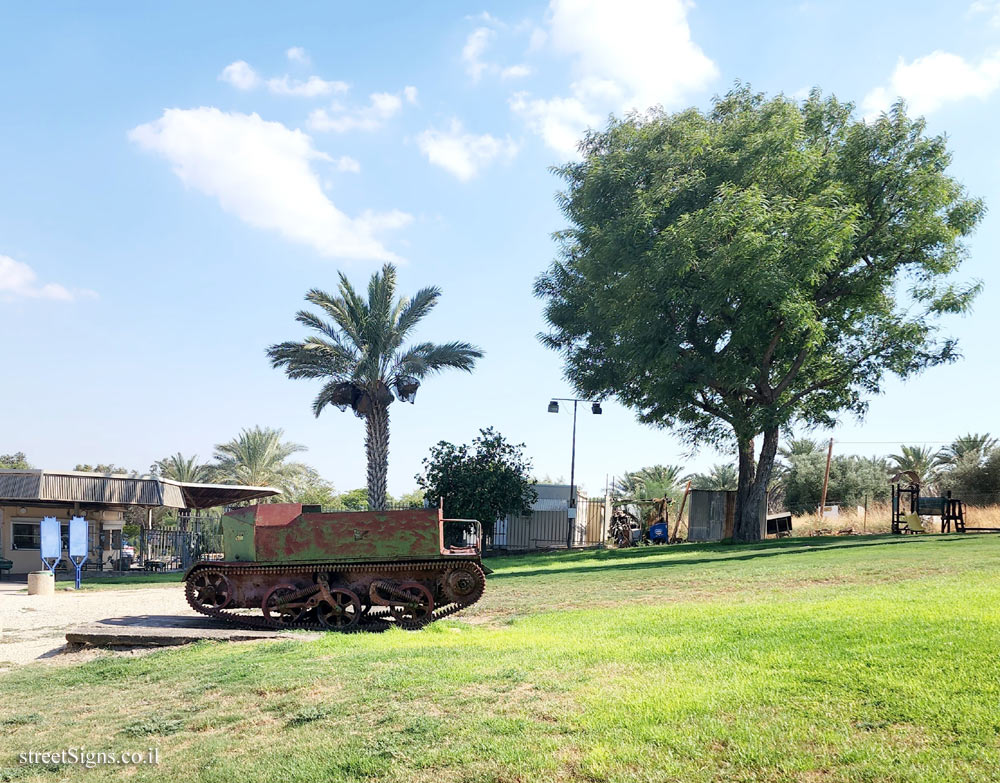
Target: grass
(878, 520)
(140, 579)
(814, 659)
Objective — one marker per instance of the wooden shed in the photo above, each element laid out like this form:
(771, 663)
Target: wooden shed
(711, 515)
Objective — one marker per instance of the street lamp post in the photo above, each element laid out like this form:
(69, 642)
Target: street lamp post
(595, 408)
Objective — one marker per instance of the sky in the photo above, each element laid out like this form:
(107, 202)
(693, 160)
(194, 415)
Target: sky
(174, 177)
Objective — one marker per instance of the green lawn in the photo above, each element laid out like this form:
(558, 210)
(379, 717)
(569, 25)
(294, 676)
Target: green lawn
(868, 659)
(141, 579)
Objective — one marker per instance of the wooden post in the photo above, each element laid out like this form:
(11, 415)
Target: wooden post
(826, 480)
(864, 525)
(680, 512)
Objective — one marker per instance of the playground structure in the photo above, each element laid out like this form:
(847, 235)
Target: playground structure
(908, 507)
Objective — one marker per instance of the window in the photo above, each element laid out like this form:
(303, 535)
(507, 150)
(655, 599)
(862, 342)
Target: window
(27, 535)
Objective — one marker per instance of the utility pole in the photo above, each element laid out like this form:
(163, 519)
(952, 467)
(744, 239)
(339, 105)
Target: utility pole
(571, 512)
(826, 480)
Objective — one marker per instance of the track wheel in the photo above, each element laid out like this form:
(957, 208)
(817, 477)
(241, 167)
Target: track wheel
(344, 611)
(211, 590)
(284, 613)
(415, 613)
(463, 583)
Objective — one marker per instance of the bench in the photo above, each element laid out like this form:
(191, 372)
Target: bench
(6, 565)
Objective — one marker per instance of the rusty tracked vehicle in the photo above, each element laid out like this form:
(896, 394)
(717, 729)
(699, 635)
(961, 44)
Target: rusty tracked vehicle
(289, 566)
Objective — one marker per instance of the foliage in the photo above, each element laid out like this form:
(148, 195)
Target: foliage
(973, 477)
(721, 477)
(311, 488)
(15, 461)
(258, 457)
(766, 263)
(361, 357)
(655, 481)
(486, 480)
(415, 498)
(853, 480)
(973, 446)
(180, 468)
(353, 500)
(103, 467)
(920, 459)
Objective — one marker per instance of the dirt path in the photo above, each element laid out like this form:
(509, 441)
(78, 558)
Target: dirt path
(33, 627)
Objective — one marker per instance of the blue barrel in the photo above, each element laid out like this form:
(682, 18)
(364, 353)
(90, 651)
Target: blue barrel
(659, 533)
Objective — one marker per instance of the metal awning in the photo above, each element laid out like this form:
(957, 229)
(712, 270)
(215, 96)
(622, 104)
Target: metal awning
(120, 489)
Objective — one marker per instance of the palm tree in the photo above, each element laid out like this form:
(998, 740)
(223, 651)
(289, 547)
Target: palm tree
(258, 457)
(360, 355)
(979, 446)
(650, 482)
(919, 459)
(722, 476)
(181, 468)
(800, 447)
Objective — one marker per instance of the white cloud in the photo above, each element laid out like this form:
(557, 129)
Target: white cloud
(630, 54)
(988, 8)
(297, 54)
(262, 172)
(559, 121)
(464, 154)
(381, 107)
(312, 87)
(473, 51)
(515, 72)
(644, 46)
(478, 41)
(929, 82)
(240, 75)
(347, 163)
(19, 280)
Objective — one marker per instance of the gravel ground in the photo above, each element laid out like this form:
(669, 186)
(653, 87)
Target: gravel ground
(33, 627)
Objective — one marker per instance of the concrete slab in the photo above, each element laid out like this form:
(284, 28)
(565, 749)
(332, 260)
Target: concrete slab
(168, 630)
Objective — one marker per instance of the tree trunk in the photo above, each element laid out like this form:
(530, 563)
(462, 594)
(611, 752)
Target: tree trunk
(377, 449)
(751, 494)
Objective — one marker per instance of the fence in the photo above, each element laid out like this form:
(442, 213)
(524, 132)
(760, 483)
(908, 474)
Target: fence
(548, 529)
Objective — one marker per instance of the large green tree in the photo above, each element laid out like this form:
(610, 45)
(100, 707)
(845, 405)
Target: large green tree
(361, 357)
(763, 264)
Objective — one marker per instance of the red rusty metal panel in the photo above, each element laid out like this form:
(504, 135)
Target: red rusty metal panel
(352, 535)
(276, 514)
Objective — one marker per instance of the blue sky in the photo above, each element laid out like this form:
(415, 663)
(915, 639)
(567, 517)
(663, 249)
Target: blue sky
(176, 176)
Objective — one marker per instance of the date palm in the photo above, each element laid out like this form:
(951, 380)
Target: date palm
(721, 476)
(921, 460)
(973, 445)
(361, 356)
(181, 468)
(258, 457)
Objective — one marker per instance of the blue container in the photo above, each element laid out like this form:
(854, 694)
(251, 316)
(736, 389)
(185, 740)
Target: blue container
(659, 533)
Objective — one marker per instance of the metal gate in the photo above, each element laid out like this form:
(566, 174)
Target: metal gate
(548, 529)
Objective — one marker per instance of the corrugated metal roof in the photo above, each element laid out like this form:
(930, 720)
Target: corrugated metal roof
(120, 490)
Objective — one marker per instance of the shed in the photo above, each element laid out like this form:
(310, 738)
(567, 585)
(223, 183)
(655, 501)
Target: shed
(711, 514)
